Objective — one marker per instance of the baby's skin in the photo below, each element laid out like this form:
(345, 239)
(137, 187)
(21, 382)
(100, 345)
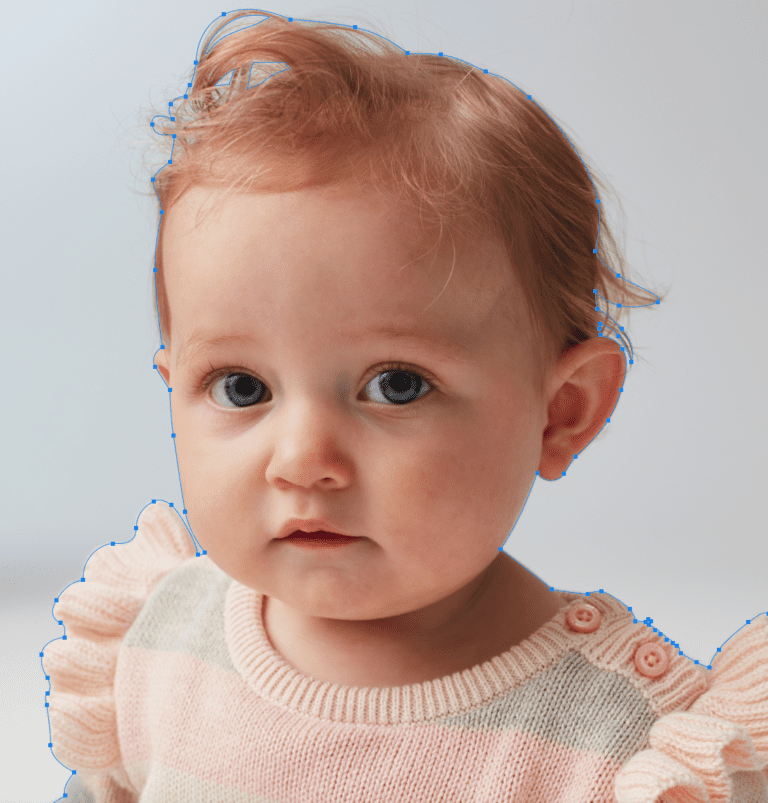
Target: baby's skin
(308, 281)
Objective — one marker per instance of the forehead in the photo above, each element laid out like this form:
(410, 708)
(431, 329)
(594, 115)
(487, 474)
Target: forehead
(349, 251)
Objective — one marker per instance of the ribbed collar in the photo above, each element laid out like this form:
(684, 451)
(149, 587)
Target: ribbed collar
(274, 679)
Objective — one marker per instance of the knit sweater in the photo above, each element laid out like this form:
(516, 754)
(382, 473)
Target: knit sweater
(165, 688)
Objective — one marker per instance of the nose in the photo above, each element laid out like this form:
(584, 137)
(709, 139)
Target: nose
(306, 449)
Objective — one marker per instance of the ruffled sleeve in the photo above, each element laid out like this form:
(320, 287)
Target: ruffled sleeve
(717, 750)
(81, 665)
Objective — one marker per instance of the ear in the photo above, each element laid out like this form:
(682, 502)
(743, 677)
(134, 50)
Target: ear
(584, 391)
(163, 361)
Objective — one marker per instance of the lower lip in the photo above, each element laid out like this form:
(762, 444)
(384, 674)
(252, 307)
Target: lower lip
(320, 541)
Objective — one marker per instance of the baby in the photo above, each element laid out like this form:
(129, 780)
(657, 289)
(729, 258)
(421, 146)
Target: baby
(381, 289)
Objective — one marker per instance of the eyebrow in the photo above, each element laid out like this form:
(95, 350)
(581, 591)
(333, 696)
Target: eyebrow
(448, 348)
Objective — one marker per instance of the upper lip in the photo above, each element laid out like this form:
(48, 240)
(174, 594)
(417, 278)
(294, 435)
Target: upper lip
(308, 526)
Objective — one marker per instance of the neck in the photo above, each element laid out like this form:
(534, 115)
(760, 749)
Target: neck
(498, 609)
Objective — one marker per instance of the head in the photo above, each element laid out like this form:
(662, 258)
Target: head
(302, 220)
(433, 484)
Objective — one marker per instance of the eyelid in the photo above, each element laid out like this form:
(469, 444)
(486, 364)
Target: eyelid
(399, 365)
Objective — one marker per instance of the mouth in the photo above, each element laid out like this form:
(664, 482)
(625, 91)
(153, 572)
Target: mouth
(319, 539)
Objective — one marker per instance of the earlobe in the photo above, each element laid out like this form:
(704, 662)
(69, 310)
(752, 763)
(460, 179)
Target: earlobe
(592, 375)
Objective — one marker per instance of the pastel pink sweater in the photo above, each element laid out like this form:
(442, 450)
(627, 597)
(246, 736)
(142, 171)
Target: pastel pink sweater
(166, 688)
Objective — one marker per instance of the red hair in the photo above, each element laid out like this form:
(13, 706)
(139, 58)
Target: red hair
(314, 104)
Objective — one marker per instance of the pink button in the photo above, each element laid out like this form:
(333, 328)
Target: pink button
(583, 617)
(651, 659)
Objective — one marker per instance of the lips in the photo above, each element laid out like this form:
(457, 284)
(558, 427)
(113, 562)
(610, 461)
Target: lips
(310, 527)
(319, 540)
(320, 536)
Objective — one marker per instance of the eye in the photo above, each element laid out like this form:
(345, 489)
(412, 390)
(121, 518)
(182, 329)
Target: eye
(238, 388)
(393, 383)
(397, 385)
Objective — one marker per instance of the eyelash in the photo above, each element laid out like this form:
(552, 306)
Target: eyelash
(206, 379)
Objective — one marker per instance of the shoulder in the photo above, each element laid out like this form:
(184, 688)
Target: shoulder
(710, 738)
(700, 734)
(610, 641)
(97, 612)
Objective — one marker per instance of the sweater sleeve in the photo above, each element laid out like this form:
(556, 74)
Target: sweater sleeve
(717, 750)
(81, 665)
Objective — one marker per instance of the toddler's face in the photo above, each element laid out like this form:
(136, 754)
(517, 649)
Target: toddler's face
(432, 486)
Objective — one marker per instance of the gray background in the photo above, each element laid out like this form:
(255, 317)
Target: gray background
(664, 511)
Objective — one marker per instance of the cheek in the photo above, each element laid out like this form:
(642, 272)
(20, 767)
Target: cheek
(439, 481)
(474, 476)
(216, 459)
(426, 462)
(211, 488)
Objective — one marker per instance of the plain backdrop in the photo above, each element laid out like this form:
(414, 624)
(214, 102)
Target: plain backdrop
(665, 510)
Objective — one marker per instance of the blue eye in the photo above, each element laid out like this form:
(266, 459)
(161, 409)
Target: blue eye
(243, 390)
(398, 385)
(395, 384)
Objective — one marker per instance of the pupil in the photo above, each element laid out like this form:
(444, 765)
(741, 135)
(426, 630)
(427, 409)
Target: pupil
(241, 388)
(401, 382)
(402, 385)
